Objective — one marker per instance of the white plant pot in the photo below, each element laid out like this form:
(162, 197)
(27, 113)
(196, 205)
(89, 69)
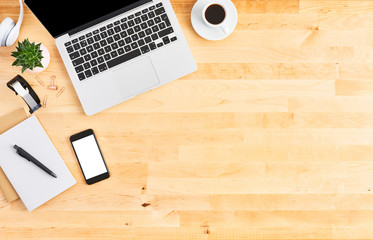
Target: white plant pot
(44, 61)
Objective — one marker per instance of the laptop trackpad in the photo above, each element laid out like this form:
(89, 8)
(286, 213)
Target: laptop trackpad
(136, 77)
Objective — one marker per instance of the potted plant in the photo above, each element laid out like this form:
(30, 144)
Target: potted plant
(33, 57)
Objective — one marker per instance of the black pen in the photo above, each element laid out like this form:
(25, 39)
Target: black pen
(30, 158)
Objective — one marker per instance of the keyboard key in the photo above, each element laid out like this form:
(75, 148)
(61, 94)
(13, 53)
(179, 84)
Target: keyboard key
(109, 25)
(116, 23)
(79, 69)
(121, 43)
(102, 29)
(157, 20)
(131, 16)
(120, 51)
(78, 61)
(137, 28)
(82, 52)
(162, 25)
(138, 14)
(74, 40)
(87, 57)
(151, 8)
(96, 46)
(152, 46)
(107, 57)
(135, 37)
(100, 59)
(166, 40)
(141, 42)
(159, 5)
(150, 22)
(83, 43)
(88, 35)
(134, 45)
(103, 35)
(86, 65)
(127, 48)
(70, 49)
(145, 49)
(95, 70)
(88, 73)
(155, 28)
(110, 32)
(116, 37)
(101, 51)
(131, 23)
(159, 11)
(117, 29)
(81, 76)
(76, 46)
(123, 19)
(103, 43)
(89, 48)
(102, 67)
(144, 25)
(93, 62)
(151, 14)
(173, 39)
(130, 31)
(128, 40)
(74, 55)
(114, 46)
(148, 39)
(165, 32)
(90, 40)
(123, 34)
(67, 44)
(109, 40)
(124, 26)
(159, 44)
(155, 36)
(94, 54)
(107, 49)
(123, 58)
(114, 54)
(97, 38)
(145, 10)
(141, 34)
(137, 20)
(96, 31)
(144, 17)
(148, 31)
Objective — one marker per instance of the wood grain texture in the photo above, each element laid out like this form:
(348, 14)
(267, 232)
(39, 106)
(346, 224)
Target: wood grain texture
(271, 138)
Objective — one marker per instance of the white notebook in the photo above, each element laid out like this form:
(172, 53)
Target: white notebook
(33, 185)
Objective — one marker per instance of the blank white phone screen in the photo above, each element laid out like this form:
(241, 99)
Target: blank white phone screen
(89, 156)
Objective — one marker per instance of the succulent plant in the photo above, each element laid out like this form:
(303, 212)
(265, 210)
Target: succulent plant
(28, 55)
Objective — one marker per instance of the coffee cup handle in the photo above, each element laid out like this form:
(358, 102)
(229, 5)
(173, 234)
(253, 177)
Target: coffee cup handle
(225, 28)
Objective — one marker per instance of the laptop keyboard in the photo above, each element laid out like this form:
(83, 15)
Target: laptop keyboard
(120, 41)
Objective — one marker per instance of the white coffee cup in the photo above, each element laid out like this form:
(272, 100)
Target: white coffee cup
(219, 25)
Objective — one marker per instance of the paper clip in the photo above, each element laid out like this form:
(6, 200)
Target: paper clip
(45, 101)
(53, 85)
(60, 92)
(40, 81)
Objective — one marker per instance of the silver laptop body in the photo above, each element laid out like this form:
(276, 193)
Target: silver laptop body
(121, 57)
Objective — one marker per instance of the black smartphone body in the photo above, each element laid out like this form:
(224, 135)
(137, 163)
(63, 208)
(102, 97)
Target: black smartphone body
(89, 155)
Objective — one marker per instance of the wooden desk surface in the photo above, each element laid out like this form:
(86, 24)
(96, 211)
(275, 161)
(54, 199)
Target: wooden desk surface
(271, 138)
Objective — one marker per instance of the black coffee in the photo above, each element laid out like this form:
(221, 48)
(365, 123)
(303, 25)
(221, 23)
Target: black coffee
(215, 14)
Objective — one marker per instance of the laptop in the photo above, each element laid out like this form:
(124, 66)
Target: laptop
(115, 50)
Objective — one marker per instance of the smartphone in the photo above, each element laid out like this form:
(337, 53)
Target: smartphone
(89, 156)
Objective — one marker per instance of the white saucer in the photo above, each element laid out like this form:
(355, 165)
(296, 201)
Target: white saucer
(210, 33)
